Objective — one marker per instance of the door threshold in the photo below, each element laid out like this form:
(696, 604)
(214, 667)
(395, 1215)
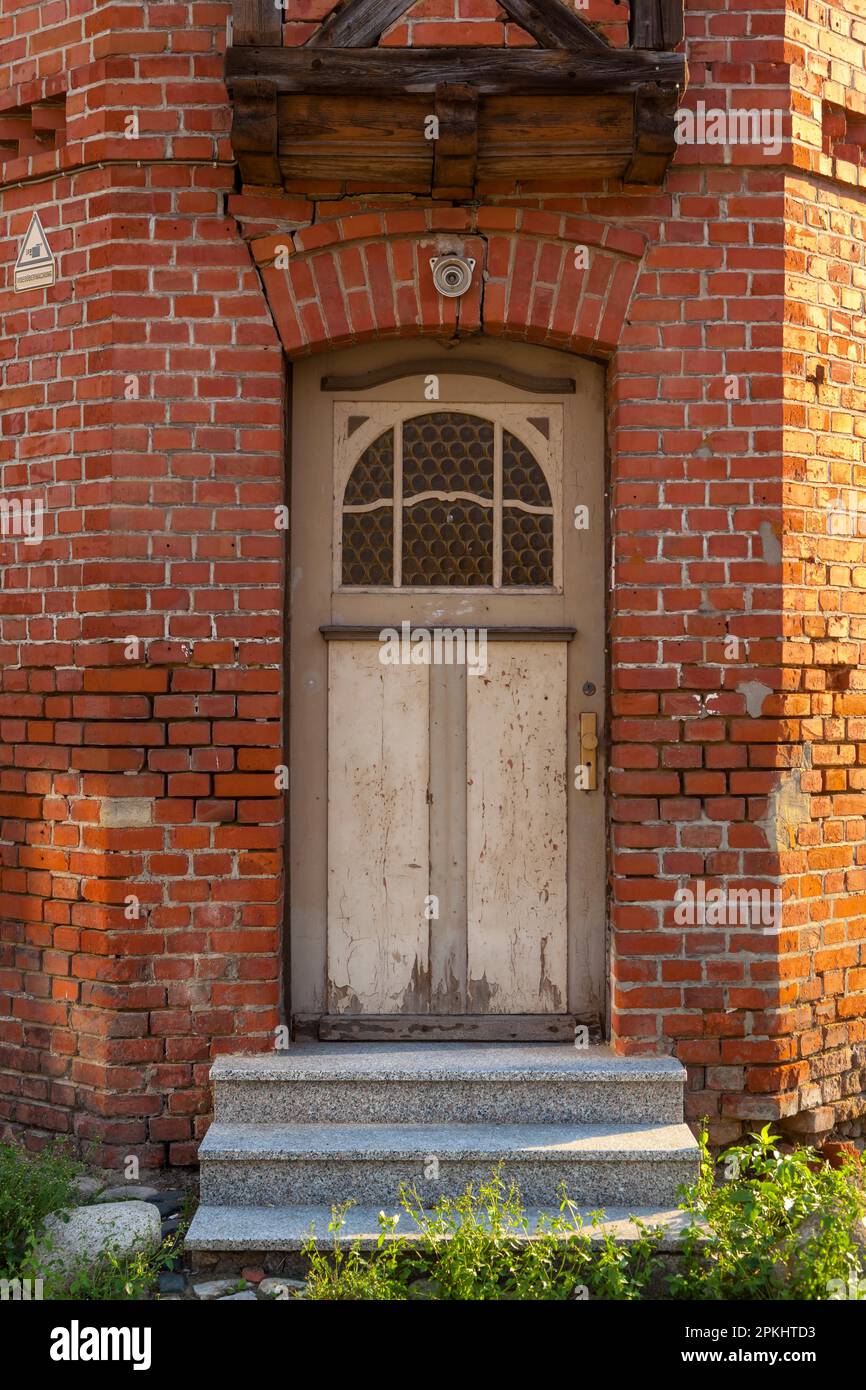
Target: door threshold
(457, 1027)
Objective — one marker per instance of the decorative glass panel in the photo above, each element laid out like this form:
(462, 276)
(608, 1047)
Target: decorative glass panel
(448, 543)
(368, 516)
(448, 509)
(368, 548)
(448, 452)
(527, 549)
(527, 518)
(523, 478)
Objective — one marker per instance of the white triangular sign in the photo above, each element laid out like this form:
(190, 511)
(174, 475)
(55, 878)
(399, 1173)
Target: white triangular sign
(35, 267)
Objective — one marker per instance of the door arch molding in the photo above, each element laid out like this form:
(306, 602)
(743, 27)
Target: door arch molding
(570, 289)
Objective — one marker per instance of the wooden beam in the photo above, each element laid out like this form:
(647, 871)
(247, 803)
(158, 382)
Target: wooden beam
(358, 23)
(468, 1027)
(654, 142)
(489, 70)
(356, 139)
(554, 26)
(656, 24)
(255, 131)
(361, 23)
(256, 22)
(556, 137)
(456, 149)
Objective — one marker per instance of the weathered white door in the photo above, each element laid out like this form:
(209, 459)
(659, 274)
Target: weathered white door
(447, 847)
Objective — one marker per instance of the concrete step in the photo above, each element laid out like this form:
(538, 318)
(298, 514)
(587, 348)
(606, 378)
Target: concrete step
(447, 1083)
(263, 1229)
(600, 1165)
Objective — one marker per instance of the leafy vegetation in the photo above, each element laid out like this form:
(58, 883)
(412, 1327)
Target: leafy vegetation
(31, 1188)
(782, 1225)
(477, 1247)
(34, 1186)
(768, 1224)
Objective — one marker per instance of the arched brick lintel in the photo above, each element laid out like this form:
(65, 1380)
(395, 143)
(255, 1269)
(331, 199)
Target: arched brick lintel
(528, 287)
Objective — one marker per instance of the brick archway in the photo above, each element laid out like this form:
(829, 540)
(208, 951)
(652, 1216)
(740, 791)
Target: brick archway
(560, 281)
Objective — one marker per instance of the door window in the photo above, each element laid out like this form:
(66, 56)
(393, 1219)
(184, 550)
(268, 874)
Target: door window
(447, 499)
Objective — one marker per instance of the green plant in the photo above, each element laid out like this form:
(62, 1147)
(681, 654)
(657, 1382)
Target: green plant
(481, 1246)
(31, 1187)
(346, 1273)
(780, 1226)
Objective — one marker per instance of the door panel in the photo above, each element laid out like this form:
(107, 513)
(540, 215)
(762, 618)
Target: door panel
(443, 864)
(516, 830)
(378, 833)
(448, 837)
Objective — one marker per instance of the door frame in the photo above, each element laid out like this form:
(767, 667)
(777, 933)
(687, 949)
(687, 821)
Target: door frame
(388, 360)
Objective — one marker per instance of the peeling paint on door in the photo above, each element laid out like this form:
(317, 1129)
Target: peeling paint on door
(516, 830)
(378, 833)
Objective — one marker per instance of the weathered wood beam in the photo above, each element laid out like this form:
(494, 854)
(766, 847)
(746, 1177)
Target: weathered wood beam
(654, 142)
(361, 23)
(256, 22)
(656, 24)
(554, 137)
(489, 70)
(470, 1027)
(357, 139)
(255, 130)
(456, 150)
(554, 26)
(358, 24)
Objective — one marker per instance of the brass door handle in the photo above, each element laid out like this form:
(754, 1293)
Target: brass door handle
(586, 773)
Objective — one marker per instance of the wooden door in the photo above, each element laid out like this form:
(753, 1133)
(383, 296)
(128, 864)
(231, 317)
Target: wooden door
(447, 875)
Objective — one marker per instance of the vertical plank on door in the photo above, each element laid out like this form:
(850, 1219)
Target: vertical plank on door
(378, 833)
(448, 838)
(516, 830)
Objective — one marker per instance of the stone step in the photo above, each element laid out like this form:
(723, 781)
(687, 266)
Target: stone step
(263, 1229)
(447, 1083)
(606, 1165)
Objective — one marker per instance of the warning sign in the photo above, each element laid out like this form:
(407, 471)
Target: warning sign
(35, 267)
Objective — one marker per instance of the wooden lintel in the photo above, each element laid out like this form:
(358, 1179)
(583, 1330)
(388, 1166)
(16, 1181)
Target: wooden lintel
(421, 70)
(455, 150)
(255, 131)
(656, 24)
(256, 22)
(654, 142)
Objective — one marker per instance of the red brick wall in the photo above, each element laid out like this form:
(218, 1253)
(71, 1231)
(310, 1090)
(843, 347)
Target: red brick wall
(143, 403)
(159, 525)
(825, 565)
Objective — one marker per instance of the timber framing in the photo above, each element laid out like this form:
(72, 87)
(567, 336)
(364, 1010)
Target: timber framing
(340, 110)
